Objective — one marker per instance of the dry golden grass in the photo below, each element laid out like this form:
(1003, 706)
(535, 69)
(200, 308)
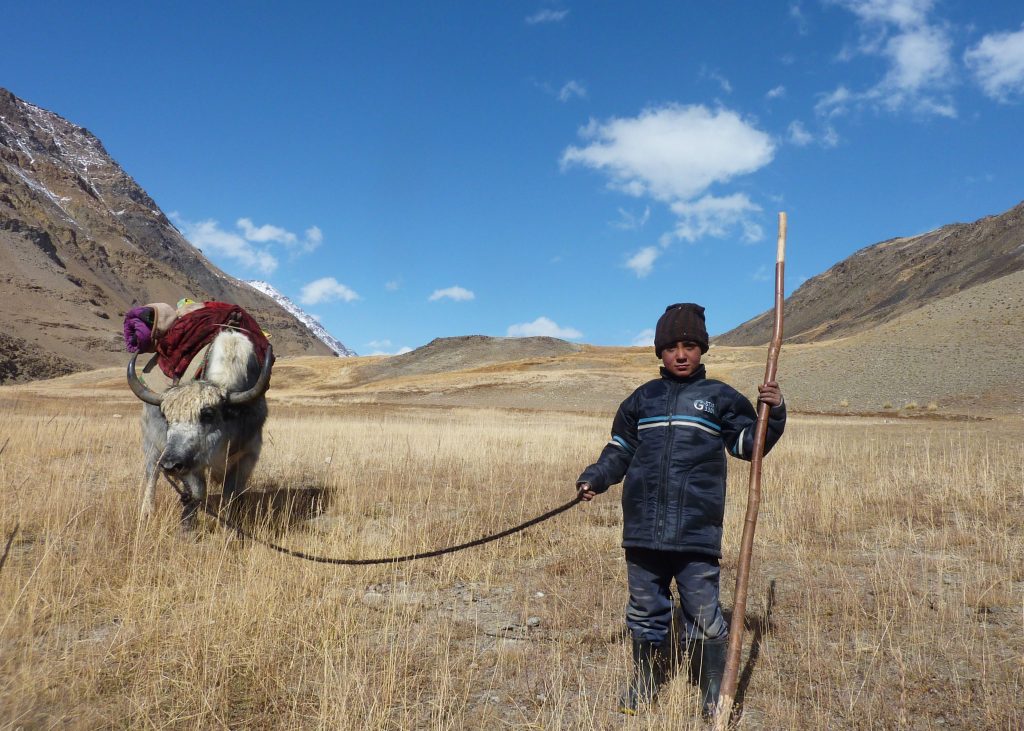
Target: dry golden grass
(887, 591)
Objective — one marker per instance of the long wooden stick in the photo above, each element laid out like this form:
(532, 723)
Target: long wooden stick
(739, 607)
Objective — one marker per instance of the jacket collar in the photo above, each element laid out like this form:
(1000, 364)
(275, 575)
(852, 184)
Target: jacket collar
(698, 375)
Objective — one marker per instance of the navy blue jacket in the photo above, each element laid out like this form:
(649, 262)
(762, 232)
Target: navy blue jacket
(669, 440)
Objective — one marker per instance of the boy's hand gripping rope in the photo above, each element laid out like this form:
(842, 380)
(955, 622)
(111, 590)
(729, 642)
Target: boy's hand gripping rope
(186, 495)
(739, 606)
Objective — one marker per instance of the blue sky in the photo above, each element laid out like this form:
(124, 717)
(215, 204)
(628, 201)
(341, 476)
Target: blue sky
(413, 170)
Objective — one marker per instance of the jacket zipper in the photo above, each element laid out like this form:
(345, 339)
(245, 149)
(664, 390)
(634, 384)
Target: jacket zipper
(685, 493)
(663, 486)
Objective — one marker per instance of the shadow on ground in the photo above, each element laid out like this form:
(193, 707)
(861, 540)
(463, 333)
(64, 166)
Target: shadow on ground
(761, 626)
(276, 509)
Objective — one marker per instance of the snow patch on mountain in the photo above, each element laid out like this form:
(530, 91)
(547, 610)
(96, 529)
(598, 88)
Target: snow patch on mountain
(305, 318)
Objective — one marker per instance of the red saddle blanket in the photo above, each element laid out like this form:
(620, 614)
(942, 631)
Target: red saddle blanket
(191, 332)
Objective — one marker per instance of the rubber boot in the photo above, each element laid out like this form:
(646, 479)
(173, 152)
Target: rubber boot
(667, 660)
(707, 663)
(644, 677)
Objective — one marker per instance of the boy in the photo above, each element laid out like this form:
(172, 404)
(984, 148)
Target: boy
(669, 440)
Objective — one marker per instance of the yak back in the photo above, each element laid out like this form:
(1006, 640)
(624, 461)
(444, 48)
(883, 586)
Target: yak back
(194, 330)
(231, 363)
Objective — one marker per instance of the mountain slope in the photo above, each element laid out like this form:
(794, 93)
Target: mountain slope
(311, 323)
(894, 277)
(81, 242)
(961, 353)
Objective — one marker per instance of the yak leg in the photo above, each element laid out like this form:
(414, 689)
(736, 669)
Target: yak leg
(149, 489)
(236, 479)
(154, 439)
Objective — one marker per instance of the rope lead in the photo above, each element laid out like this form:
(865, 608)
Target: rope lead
(187, 496)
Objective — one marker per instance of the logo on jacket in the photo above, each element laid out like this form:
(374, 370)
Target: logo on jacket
(708, 407)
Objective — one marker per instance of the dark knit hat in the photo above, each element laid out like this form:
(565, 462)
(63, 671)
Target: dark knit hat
(682, 322)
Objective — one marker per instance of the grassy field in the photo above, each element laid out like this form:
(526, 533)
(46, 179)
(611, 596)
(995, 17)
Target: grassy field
(887, 587)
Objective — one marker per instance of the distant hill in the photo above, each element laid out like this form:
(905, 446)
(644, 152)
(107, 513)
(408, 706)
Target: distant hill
(443, 355)
(893, 278)
(81, 243)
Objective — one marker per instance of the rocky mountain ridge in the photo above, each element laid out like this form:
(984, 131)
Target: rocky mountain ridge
(894, 277)
(81, 242)
(311, 323)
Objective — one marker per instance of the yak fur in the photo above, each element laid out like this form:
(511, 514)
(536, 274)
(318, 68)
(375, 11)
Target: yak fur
(195, 435)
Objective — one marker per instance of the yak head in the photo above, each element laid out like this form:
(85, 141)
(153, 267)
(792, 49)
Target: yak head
(209, 419)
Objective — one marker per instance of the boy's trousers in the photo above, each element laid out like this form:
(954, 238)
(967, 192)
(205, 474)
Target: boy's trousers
(649, 611)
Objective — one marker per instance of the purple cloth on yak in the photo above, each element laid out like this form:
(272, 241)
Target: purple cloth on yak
(138, 330)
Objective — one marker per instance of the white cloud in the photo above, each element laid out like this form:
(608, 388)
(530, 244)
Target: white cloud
(384, 347)
(250, 244)
(715, 216)
(401, 351)
(941, 108)
(459, 294)
(975, 179)
(645, 338)
(268, 233)
(797, 14)
(630, 221)
(798, 134)
(997, 62)
(762, 274)
(672, 152)
(542, 326)
(314, 237)
(547, 16)
(392, 286)
(326, 289)
(921, 61)
(211, 238)
(919, 56)
(265, 233)
(835, 102)
(719, 78)
(777, 92)
(903, 13)
(572, 89)
(642, 262)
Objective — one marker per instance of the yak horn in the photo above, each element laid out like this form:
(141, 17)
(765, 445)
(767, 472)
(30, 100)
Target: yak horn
(238, 398)
(139, 388)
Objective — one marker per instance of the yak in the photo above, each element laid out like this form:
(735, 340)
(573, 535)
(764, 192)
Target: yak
(212, 426)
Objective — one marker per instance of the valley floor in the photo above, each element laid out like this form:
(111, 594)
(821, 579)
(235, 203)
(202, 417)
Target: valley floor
(886, 591)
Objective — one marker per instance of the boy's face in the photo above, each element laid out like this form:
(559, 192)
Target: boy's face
(681, 359)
